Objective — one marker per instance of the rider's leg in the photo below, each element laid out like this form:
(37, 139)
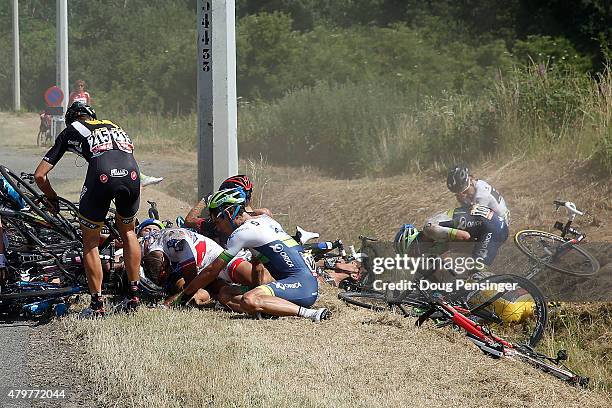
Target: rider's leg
(131, 248)
(240, 271)
(259, 300)
(93, 266)
(231, 296)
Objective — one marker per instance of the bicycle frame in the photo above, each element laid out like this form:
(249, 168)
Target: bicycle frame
(497, 347)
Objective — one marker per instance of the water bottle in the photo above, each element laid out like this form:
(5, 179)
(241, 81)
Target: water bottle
(36, 308)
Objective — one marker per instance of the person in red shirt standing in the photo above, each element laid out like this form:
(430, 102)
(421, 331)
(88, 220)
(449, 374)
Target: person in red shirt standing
(80, 94)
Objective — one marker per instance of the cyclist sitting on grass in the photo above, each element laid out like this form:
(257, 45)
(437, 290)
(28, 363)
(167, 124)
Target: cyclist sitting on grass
(477, 223)
(173, 257)
(205, 226)
(295, 288)
(470, 191)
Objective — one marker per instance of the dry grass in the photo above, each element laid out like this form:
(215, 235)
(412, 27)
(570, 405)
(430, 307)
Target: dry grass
(207, 358)
(359, 359)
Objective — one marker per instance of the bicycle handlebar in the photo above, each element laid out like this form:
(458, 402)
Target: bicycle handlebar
(569, 206)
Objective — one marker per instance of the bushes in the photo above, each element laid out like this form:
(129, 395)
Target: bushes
(356, 129)
(335, 127)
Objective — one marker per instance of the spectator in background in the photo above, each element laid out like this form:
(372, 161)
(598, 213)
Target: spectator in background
(80, 94)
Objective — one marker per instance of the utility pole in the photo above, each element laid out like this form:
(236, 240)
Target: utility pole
(216, 85)
(16, 75)
(62, 49)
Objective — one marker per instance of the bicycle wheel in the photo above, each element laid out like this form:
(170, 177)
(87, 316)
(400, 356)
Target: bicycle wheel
(553, 252)
(36, 202)
(367, 299)
(512, 306)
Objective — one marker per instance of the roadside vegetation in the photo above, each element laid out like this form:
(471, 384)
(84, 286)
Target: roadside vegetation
(355, 87)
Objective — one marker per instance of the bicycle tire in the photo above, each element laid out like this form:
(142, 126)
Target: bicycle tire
(18, 184)
(375, 301)
(586, 264)
(519, 315)
(378, 302)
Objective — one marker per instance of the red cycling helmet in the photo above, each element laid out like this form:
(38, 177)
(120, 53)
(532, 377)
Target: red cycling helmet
(239, 181)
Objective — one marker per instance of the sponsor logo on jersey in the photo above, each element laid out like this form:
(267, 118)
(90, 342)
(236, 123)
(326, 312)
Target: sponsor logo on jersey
(284, 286)
(485, 244)
(118, 172)
(83, 191)
(278, 248)
(103, 178)
(133, 175)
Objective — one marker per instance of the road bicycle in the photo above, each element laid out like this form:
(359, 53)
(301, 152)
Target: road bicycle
(484, 317)
(329, 260)
(443, 313)
(44, 254)
(558, 252)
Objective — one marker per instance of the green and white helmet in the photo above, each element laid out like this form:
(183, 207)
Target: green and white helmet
(405, 237)
(227, 203)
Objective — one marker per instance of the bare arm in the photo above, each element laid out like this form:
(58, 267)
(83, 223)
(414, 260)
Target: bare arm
(191, 220)
(257, 272)
(205, 277)
(261, 211)
(42, 181)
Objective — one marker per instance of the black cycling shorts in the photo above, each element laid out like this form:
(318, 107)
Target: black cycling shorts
(113, 175)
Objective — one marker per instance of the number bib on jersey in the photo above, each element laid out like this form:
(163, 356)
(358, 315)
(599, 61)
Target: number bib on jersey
(104, 139)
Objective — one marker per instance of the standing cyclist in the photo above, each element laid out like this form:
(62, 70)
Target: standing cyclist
(295, 289)
(112, 174)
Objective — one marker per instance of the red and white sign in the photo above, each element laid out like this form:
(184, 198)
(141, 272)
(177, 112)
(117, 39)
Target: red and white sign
(54, 96)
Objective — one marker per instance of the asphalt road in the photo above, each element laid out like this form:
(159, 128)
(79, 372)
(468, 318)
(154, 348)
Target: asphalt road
(15, 336)
(14, 372)
(32, 356)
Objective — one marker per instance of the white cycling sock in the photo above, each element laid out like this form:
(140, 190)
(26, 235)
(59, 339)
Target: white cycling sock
(307, 313)
(316, 315)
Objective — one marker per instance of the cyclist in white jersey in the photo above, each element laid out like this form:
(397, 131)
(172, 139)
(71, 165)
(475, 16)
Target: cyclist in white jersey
(295, 288)
(174, 256)
(470, 191)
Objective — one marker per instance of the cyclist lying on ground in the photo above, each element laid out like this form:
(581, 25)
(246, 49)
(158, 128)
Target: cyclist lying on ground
(470, 191)
(476, 224)
(295, 288)
(173, 257)
(205, 226)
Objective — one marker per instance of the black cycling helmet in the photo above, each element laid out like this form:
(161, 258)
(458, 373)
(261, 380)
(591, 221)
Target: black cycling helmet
(78, 109)
(458, 179)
